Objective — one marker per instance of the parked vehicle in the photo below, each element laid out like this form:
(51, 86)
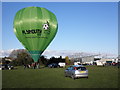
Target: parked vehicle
(61, 64)
(10, 67)
(0, 66)
(76, 63)
(6, 66)
(53, 65)
(76, 71)
(113, 63)
(99, 63)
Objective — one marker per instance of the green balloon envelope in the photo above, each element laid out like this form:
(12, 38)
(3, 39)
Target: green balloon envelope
(35, 28)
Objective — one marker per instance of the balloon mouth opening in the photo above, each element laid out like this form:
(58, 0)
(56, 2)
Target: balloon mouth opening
(35, 55)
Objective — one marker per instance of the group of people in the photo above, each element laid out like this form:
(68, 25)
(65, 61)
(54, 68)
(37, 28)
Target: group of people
(33, 65)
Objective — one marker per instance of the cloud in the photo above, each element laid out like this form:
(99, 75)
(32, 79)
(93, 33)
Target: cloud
(55, 53)
(63, 53)
(6, 53)
(76, 54)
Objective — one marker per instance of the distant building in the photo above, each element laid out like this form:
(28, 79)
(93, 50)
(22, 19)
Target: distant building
(97, 58)
(88, 59)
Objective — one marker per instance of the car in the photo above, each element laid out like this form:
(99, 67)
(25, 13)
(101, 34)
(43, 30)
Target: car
(10, 67)
(0, 67)
(6, 66)
(53, 65)
(76, 71)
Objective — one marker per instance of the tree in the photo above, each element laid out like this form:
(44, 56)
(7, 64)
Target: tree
(67, 61)
(42, 60)
(22, 58)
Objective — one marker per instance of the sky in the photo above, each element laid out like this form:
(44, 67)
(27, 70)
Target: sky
(82, 26)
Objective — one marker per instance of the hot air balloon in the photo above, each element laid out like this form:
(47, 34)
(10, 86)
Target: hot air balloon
(35, 28)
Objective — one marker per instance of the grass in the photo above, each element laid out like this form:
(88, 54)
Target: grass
(99, 77)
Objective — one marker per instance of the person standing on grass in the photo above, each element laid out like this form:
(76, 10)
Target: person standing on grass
(24, 66)
(38, 65)
(34, 65)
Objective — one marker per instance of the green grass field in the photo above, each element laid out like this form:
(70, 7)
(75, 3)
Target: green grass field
(99, 77)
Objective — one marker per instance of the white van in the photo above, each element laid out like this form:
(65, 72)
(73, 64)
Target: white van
(61, 64)
(99, 63)
(76, 63)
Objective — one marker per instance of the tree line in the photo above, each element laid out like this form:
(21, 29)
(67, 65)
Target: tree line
(24, 58)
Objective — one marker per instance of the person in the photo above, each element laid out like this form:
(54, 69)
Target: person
(75, 68)
(34, 65)
(28, 65)
(38, 65)
(24, 66)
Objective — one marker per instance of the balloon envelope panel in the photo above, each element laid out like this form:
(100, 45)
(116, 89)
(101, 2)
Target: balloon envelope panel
(35, 28)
